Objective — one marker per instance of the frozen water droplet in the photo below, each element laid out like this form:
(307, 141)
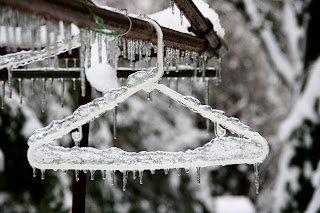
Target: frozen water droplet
(77, 136)
(43, 94)
(149, 96)
(152, 171)
(115, 125)
(187, 170)
(140, 176)
(51, 86)
(124, 179)
(256, 177)
(92, 174)
(112, 177)
(198, 175)
(3, 93)
(172, 6)
(34, 172)
(219, 131)
(134, 172)
(65, 171)
(179, 171)
(43, 174)
(104, 174)
(62, 91)
(85, 171)
(76, 174)
(166, 171)
(20, 89)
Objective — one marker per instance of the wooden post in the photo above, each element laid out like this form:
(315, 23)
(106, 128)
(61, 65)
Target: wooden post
(79, 187)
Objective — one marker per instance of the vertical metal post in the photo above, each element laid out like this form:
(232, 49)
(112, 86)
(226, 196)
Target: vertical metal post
(79, 187)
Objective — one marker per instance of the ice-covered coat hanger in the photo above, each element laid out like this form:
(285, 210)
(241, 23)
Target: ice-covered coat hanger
(250, 147)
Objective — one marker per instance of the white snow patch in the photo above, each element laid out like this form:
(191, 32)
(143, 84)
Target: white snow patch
(285, 175)
(167, 19)
(304, 107)
(232, 204)
(102, 76)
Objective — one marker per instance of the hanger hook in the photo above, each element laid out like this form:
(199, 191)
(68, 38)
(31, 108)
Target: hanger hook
(159, 49)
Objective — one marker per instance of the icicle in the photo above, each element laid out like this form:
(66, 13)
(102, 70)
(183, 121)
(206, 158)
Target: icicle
(187, 57)
(83, 40)
(181, 17)
(43, 174)
(179, 171)
(62, 91)
(172, 6)
(77, 136)
(124, 180)
(3, 93)
(187, 170)
(140, 49)
(256, 177)
(65, 171)
(76, 174)
(74, 84)
(20, 89)
(124, 48)
(140, 176)
(169, 82)
(166, 171)
(149, 96)
(88, 48)
(219, 131)
(68, 36)
(152, 171)
(32, 86)
(115, 112)
(10, 81)
(74, 62)
(51, 86)
(34, 171)
(177, 83)
(85, 171)
(198, 175)
(134, 176)
(112, 177)
(192, 86)
(49, 29)
(177, 57)
(104, 174)
(217, 66)
(207, 103)
(131, 51)
(92, 174)
(99, 37)
(43, 94)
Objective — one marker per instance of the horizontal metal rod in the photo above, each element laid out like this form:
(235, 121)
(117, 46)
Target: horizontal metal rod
(85, 15)
(75, 73)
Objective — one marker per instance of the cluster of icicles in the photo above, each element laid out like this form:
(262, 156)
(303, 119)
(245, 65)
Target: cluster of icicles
(24, 30)
(125, 175)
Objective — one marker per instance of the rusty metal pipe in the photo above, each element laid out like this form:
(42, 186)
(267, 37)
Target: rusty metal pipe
(81, 14)
(200, 25)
